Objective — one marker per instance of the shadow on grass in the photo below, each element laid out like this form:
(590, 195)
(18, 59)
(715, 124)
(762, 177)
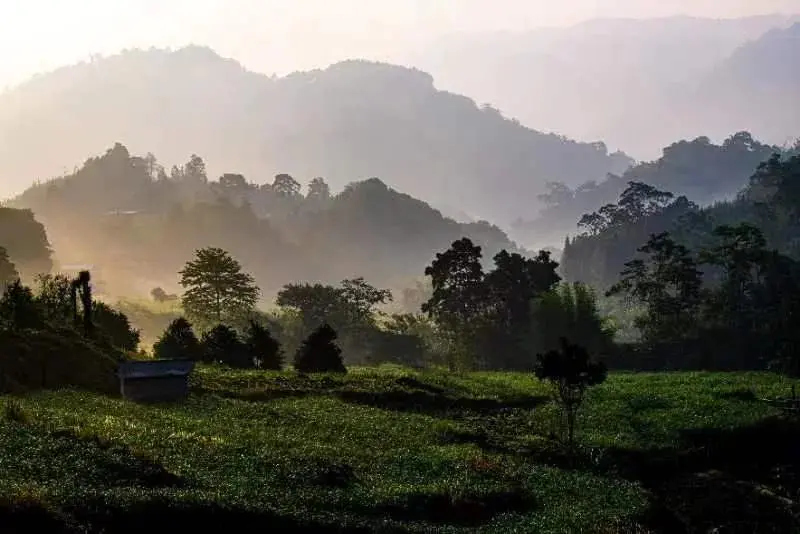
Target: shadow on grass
(744, 479)
(744, 395)
(733, 480)
(116, 464)
(156, 517)
(261, 395)
(436, 404)
(457, 510)
(25, 517)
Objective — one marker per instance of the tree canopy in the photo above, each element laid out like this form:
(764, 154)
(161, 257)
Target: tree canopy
(216, 288)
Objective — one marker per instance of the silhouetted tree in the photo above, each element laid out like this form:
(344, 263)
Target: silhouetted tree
(669, 284)
(18, 307)
(54, 297)
(316, 303)
(286, 186)
(361, 298)
(571, 372)
(116, 326)
(264, 349)
(319, 353)
(318, 190)
(178, 342)
(511, 287)
(221, 344)
(216, 288)
(459, 302)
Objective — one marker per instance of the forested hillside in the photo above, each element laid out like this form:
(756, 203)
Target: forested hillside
(611, 236)
(351, 121)
(702, 171)
(136, 224)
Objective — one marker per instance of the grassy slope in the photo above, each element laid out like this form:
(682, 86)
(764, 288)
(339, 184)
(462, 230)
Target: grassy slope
(388, 450)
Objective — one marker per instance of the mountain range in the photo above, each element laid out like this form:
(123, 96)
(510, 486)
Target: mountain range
(636, 84)
(351, 121)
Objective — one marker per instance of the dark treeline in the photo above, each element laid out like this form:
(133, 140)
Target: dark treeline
(711, 288)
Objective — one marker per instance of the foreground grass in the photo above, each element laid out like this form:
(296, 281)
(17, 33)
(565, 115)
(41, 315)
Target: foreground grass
(396, 450)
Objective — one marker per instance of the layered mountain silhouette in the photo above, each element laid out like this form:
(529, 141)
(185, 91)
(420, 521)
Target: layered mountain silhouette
(351, 121)
(136, 227)
(637, 84)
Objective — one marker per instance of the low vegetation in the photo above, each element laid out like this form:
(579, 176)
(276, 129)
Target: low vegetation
(396, 450)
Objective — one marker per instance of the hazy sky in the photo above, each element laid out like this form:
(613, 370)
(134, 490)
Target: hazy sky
(284, 35)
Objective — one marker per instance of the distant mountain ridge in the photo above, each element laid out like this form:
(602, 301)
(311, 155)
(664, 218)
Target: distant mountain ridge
(638, 84)
(351, 121)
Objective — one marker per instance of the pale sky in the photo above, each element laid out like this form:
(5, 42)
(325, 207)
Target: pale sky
(284, 35)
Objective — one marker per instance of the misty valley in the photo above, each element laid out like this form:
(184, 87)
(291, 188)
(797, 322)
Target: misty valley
(348, 301)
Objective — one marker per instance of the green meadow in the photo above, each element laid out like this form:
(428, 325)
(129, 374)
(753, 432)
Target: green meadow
(395, 450)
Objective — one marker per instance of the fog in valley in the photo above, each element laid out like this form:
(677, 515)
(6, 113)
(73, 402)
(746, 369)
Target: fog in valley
(354, 266)
(129, 128)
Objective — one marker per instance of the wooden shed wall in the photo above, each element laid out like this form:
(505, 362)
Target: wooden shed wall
(155, 389)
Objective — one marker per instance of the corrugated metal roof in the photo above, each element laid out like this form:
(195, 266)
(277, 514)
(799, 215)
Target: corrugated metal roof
(155, 368)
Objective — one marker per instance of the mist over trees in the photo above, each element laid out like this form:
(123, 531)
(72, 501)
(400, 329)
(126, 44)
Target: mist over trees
(700, 170)
(351, 121)
(138, 223)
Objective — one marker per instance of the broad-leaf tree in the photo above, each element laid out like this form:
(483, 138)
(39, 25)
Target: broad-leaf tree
(458, 302)
(669, 283)
(217, 291)
(317, 303)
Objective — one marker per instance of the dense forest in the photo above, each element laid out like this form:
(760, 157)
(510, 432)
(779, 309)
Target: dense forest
(700, 170)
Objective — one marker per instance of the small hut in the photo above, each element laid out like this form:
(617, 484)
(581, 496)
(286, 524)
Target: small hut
(155, 380)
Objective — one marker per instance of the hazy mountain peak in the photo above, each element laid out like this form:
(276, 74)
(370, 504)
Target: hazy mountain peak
(349, 121)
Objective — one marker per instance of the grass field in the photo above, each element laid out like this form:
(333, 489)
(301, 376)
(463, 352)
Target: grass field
(392, 450)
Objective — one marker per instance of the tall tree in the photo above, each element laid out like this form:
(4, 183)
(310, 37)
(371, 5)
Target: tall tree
(670, 284)
(361, 298)
(318, 190)
(286, 186)
(317, 303)
(457, 279)
(216, 288)
(511, 288)
(459, 302)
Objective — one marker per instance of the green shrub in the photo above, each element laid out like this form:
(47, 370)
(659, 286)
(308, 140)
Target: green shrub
(222, 345)
(264, 349)
(319, 353)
